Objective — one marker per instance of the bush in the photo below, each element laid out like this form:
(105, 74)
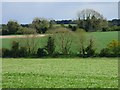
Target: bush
(113, 28)
(105, 52)
(112, 49)
(41, 52)
(23, 52)
(50, 46)
(5, 52)
(15, 49)
(18, 51)
(73, 28)
(90, 51)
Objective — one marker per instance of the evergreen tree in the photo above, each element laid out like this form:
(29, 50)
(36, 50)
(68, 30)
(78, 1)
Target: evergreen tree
(50, 45)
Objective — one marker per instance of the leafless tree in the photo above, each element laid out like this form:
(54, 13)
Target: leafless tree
(29, 41)
(81, 37)
(63, 39)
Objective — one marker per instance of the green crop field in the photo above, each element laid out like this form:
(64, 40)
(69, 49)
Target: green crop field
(101, 40)
(60, 73)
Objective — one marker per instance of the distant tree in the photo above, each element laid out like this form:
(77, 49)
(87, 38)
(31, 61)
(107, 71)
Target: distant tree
(85, 13)
(25, 30)
(4, 29)
(69, 26)
(91, 20)
(12, 27)
(52, 23)
(41, 25)
(73, 28)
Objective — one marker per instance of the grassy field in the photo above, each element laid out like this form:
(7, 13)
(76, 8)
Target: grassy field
(60, 73)
(101, 40)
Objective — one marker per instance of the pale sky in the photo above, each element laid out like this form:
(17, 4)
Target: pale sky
(60, 0)
(24, 12)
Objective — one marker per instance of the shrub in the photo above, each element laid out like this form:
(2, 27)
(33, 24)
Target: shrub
(112, 49)
(0, 52)
(15, 49)
(105, 52)
(50, 46)
(23, 52)
(90, 51)
(41, 52)
(4, 52)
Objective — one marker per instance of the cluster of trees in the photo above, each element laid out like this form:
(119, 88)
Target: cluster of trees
(39, 25)
(91, 20)
(58, 44)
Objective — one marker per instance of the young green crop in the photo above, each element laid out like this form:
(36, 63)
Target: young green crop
(60, 73)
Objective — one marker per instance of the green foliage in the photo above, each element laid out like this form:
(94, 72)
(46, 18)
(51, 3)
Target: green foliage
(4, 30)
(12, 27)
(73, 28)
(41, 25)
(91, 20)
(113, 28)
(50, 45)
(101, 40)
(90, 51)
(81, 36)
(15, 49)
(105, 52)
(52, 23)
(5, 52)
(41, 52)
(23, 52)
(112, 49)
(25, 30)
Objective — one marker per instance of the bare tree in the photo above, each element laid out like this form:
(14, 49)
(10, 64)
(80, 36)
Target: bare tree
(29, 41)
(81, 37)
(63, 39)
(89, 13)
(91, 20)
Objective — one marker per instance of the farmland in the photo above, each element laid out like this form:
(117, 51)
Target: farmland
(101, 40)
(60, 73)
(59, 45)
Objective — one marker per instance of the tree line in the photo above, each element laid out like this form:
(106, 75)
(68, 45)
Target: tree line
(88, 19)
(59, 43)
